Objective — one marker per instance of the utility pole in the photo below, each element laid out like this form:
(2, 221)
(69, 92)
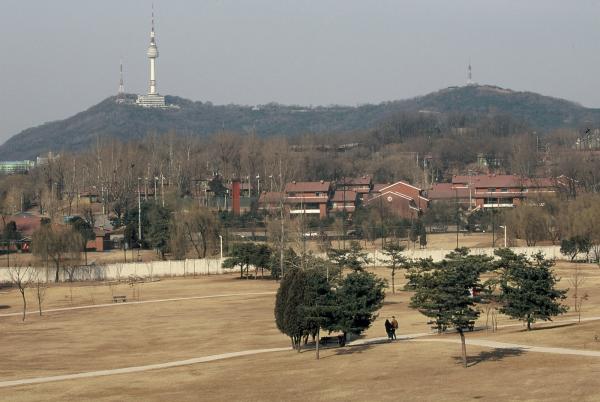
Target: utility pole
(282, 192)
(344, 214)
(162, 189)
(155, 181)
(139, 213)
(457, 224)
(505, 242)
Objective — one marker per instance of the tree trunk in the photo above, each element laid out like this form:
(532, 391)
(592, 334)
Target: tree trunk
(317, 342)
(39, 297)
(204, 245)
(464, 347)
(393, 285)
(528, 323)
(57, 269)
(24, 302)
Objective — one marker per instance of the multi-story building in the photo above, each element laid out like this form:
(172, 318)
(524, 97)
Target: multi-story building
(493, 191)
(12, 167)
(308, 197)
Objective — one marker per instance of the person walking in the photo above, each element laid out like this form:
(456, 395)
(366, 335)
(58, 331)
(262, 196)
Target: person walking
(394, 326)
(388, 329)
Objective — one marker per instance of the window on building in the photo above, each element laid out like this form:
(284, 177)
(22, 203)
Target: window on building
(504, 190)
(491, 189)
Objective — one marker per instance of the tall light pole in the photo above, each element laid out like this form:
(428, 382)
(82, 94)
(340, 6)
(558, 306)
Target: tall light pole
(221, 241)
(456, 206)
(162, 189)
(505, 243)
(139, 213)
(258, 180)
(155, 181)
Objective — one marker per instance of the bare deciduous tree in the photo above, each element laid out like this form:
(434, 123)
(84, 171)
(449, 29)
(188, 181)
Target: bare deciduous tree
(21, 277)
(56, 243)
(40, 289)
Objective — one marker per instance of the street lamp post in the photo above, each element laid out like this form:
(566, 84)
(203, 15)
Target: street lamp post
(162, 189)
(221, 242)
(139, 213)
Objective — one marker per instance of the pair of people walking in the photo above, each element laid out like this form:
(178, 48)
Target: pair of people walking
(391, 327)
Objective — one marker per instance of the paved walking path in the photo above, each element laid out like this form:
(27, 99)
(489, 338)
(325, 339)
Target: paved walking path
(205, 359)
(91, 306)
(517, 346)
(137, 369)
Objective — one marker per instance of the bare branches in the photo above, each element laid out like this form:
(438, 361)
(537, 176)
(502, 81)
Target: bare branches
(21, 277)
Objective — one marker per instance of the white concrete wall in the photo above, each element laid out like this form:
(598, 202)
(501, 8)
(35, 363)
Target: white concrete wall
(122, 271)
(438, 255)
(170, 268)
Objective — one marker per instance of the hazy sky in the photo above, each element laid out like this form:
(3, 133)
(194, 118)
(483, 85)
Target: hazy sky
(62, 56)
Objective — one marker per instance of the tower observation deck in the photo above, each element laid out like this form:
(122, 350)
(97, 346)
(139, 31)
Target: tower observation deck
(152, 99)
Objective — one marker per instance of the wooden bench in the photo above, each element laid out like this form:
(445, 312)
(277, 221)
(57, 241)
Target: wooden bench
(329, 340)
(121, 299)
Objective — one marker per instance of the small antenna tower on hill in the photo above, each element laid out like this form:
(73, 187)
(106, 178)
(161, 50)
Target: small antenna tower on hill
(121, 86)
(469, 74)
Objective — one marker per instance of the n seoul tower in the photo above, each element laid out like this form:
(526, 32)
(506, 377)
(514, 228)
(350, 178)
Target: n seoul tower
(152, 99)
(152, 55)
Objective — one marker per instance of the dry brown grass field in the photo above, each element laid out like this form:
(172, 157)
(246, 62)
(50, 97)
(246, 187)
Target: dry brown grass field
(240, 317)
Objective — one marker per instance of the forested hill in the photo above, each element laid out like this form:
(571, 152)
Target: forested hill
(128, 122)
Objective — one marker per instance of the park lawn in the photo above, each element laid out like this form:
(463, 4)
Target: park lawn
(90, 293)
(412, 371)
(137, 334)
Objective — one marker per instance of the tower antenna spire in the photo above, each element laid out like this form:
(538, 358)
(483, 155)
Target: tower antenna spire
(121, 86)
(152, 32)
(469, 74)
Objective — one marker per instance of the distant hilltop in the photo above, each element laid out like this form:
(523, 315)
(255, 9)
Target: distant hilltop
(109, 119)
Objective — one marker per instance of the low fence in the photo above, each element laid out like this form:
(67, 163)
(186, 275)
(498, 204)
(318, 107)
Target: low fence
(438, 255)
(207, 266)
(123, 271)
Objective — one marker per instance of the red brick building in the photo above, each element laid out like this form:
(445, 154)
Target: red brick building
(403, 199)
(492, 191)
(308, 197)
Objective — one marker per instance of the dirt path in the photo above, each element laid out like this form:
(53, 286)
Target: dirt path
(137, 369)
(516, 346)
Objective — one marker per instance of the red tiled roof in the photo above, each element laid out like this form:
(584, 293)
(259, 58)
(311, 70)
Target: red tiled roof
(400, 182)
(446, 191)
(26, 224)
(505, 180)
(357, 181)
(307, 186)
(378, 187)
